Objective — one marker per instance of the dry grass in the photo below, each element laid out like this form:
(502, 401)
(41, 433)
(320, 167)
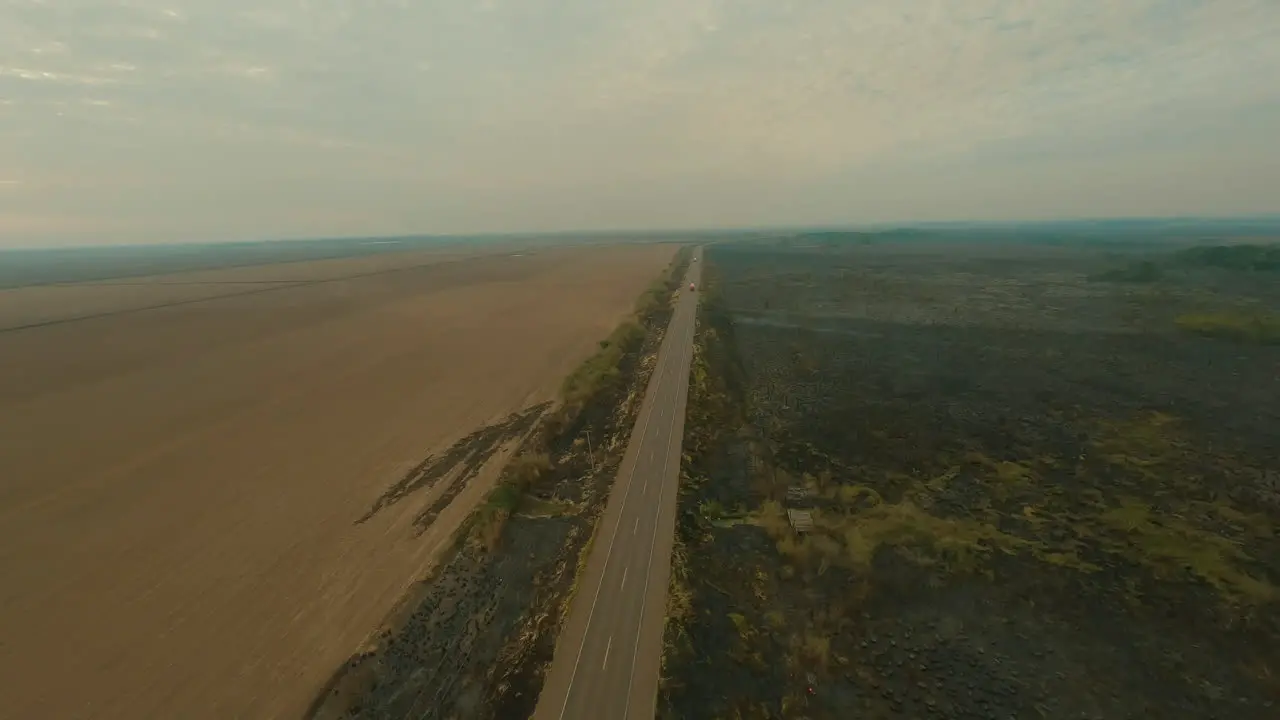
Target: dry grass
(581, 565)
(1256, 327)
(960, 543)
(773, 518)
(815, 649)
(853, 539)
(1173, 542)
(1171, 547)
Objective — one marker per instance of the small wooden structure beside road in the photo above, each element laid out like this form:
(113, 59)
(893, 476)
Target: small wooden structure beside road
(801, 520)
(800, 517)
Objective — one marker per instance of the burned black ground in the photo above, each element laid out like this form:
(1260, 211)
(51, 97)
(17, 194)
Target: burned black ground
(1035, 493)
(474, 640)
(457, 465)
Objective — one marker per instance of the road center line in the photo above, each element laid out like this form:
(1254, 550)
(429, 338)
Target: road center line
(624, 580)
(680, 355)
(635, 529)
(647, 412)
(606, 653)
(686, 355)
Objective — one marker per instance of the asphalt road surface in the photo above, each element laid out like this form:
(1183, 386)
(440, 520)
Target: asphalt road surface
(608, 655)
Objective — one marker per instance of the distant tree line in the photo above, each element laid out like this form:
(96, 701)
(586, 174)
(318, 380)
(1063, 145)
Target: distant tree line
(1232, 258)
(1244, 257)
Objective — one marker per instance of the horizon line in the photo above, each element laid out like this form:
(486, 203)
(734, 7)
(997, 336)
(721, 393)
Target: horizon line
(662, 232)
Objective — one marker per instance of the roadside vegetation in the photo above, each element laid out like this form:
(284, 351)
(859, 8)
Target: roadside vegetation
(594, 386)
(475, 638)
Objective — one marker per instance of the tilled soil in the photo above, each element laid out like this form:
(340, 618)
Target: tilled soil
(456, 466)
(180, 485)
(475, 639)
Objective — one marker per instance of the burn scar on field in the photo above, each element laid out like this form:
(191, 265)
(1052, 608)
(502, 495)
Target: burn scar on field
(457, 465)
(475, 637)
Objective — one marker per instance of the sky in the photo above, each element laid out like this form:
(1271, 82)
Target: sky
(194, 120)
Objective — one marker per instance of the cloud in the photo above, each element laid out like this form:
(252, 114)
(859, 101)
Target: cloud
(239, 117)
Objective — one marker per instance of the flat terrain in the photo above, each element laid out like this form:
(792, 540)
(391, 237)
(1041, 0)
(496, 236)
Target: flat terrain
(607, 657)
(476, 636)
(1026, 482)
(184, 458)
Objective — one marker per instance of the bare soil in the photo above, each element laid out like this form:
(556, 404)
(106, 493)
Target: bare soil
(475, 639)
(1034, 495)
(183, 480)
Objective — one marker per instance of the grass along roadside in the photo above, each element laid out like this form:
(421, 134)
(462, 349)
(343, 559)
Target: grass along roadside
(477, 637)
(604, 372)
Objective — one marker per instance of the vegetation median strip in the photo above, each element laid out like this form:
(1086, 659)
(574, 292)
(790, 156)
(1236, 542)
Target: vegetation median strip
(486, 622)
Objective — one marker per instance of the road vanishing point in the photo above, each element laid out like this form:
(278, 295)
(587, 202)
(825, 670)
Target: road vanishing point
(609, 653)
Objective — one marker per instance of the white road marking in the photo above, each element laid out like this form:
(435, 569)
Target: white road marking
(636, 528)
(609, 553)
(606, 652)
(644, 594)
(577, 660)
(624, 580)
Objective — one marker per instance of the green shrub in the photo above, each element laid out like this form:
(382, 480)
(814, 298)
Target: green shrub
(600, 371)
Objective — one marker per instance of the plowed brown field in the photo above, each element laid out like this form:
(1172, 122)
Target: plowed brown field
(183, 459)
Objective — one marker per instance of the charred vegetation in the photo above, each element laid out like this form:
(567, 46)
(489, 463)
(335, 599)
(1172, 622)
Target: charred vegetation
(475, 638)
(1033, 490)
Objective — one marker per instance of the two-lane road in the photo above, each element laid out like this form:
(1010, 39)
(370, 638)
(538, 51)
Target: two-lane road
(608, 654)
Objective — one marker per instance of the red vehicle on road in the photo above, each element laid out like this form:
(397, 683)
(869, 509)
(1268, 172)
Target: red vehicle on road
(690, 287)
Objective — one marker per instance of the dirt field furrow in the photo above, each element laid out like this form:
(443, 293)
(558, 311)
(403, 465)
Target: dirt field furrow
(180, 487)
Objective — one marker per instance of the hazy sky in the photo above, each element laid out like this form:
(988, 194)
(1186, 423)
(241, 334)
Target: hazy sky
(148, 120)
